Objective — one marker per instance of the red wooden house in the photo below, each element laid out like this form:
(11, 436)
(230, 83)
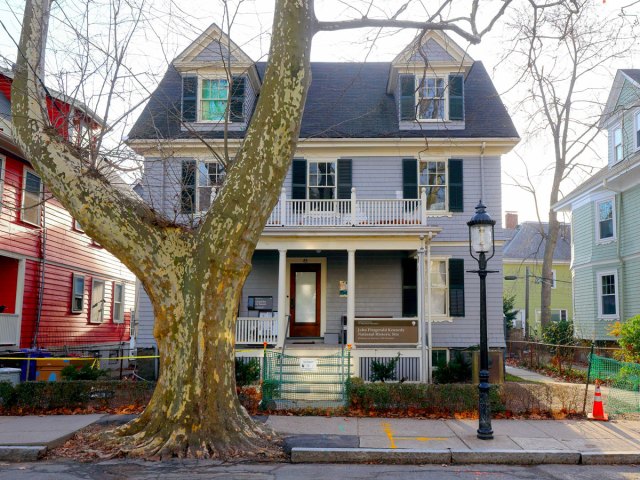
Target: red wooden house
(58, 288)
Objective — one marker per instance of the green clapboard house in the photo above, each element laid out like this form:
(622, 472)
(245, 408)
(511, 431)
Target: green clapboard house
(605, 212)
(522, 263)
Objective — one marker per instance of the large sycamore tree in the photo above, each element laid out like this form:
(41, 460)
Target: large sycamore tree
(194, 276)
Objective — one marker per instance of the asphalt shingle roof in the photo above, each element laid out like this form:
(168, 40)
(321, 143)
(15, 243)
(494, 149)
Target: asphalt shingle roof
(345, 100)
(529, 244)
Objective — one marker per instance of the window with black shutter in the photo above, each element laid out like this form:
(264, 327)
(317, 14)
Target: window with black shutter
(456, 97)
(456, 287)
(299, 179)
(409, 287)
(410, 178)
(407, 97)
(188, 187)
(236, 107)
(189, 97)
(456, 194)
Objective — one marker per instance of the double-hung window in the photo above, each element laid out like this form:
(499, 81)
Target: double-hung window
(439, 288)
(553, 279)
(433, 178)
(97, 301)
(210, 179)
(118, 302)
(605, 220)
(214, 94)
(608, 295)
(431, 99)
(77, 293)
(618, 151)
(321, 184)
(31, 198)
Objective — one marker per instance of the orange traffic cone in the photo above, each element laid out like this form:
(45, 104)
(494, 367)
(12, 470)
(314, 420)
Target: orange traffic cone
(598, 409)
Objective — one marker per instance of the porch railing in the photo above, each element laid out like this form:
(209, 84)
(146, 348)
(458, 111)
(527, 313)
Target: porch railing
(9, 329)
(256, 331)
(348, 212)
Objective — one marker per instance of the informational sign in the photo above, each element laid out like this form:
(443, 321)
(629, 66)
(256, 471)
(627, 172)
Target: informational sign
(308, 364)
(386, 331)
(260, 303)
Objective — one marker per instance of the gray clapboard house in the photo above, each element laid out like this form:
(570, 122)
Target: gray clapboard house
(391, 155)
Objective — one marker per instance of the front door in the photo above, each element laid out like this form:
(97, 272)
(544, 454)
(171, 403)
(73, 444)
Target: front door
(305, 299)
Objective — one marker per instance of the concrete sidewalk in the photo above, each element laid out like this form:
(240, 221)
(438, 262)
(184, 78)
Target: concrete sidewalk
(385, 440)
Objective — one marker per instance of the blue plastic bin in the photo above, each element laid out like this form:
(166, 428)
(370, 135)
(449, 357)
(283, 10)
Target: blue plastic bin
(32, 364)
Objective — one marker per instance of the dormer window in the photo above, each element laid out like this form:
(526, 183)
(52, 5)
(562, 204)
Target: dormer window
(431, 98)
(617, 144)
(210, 99)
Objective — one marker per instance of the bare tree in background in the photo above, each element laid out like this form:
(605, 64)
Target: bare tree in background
(556, 51)
(194, 276)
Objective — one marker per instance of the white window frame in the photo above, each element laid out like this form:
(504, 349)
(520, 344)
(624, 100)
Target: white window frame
(93, 283)
(38, 207)
(199, 99)
(434, 365)
(204, 163)
(445, 98)
(74, 294)
(335, 179)
(3, 167)
(636, 128)
(599, 276)
(427, 186)
(551, 310)
(119, 318)
(615, 159)
(77, 227)
(613, 218)
(553, 279)
(445, 315)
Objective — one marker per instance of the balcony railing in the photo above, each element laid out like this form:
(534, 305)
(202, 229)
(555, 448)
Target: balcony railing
(9, 329)
(351, 212)
(256, 331)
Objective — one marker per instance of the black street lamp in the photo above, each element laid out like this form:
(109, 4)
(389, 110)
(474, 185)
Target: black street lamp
(481, 242)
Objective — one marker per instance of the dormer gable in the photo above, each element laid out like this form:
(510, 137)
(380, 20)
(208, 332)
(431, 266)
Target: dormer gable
(218, 79)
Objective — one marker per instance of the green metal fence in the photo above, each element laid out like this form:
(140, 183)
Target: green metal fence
(623, 382)
(292, 382)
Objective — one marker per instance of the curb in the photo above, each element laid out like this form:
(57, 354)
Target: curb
(496, 457)
(19, 453)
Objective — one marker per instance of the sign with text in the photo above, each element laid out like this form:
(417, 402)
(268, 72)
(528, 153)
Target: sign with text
(386, 331)
(308, 364)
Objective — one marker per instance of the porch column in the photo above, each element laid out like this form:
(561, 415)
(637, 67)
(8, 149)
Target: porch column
(282, 297)
(351, 295)
(424, 366)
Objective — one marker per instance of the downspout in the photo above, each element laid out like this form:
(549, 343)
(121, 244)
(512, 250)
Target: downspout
(482, 147)
(43, 260)
(619, 258)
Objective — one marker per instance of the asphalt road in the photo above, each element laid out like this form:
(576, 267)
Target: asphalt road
(201, 470)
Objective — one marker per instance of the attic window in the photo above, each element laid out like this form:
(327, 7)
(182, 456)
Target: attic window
(430, 99)
(213, 100)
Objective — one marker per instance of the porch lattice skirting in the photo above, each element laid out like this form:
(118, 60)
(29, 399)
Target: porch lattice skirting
(292, 382)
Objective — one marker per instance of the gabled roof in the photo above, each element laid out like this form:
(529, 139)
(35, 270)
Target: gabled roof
(528, 244)
(345, 100)
(437, 47)
(211, 46)
(610, 110)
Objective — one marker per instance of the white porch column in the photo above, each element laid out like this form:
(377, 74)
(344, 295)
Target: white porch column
(429, 312)
(282, 297)
(351, 295)
(420, 287)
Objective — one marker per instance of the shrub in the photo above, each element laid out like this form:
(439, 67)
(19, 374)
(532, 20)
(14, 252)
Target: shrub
(458, 370)
(508, 312)
(560, 334)
(384, 369)
(628, 334)
(247, 371)
(86, 372)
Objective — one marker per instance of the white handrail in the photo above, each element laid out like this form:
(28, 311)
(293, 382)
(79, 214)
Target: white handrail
(256, 330)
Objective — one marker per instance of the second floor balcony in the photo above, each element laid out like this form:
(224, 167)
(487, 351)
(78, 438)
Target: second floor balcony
(354, 212)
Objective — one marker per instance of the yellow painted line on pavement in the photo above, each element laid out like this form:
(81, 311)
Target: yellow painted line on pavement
(387, 429)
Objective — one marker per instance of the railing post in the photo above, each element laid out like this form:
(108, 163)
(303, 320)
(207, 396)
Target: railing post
(283, 207)
(353, 206)
(423, 206)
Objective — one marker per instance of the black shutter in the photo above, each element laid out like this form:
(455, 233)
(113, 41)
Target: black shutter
(189, 95)
(236, 107)
(344, 182)
(456, 195)
(188, 187)
(409, 178)
(456, 287)
(456, 97)
(409, 287)
(299, 179)
(407, 97)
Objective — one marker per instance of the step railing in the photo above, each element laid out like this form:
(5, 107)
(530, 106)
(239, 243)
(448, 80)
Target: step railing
(349, 212)
(256, 330)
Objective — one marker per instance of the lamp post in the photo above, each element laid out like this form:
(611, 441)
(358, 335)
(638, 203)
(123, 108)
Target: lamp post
(481, 243)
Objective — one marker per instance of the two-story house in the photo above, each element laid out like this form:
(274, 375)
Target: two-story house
(522, 259)
(58, 289)
(605, 212)
(392, 156)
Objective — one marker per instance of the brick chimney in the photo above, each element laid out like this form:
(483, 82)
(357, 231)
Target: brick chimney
(511, 220)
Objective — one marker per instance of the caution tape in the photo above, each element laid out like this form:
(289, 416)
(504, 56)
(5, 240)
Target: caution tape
(38, 359)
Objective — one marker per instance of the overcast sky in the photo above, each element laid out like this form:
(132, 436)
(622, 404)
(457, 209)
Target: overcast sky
(172, 26)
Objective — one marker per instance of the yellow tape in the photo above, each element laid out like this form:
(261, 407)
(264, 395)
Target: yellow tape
(38, 359)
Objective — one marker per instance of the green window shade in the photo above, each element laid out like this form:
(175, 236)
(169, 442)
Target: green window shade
(345, 170)
(456, 194)
(236, 108)
(456, 97)
(189, 93)
(299, 179)
(410, 178)
(407, 97)
(456, 287)
(188, 187)
(213, 99)
(409, 287)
